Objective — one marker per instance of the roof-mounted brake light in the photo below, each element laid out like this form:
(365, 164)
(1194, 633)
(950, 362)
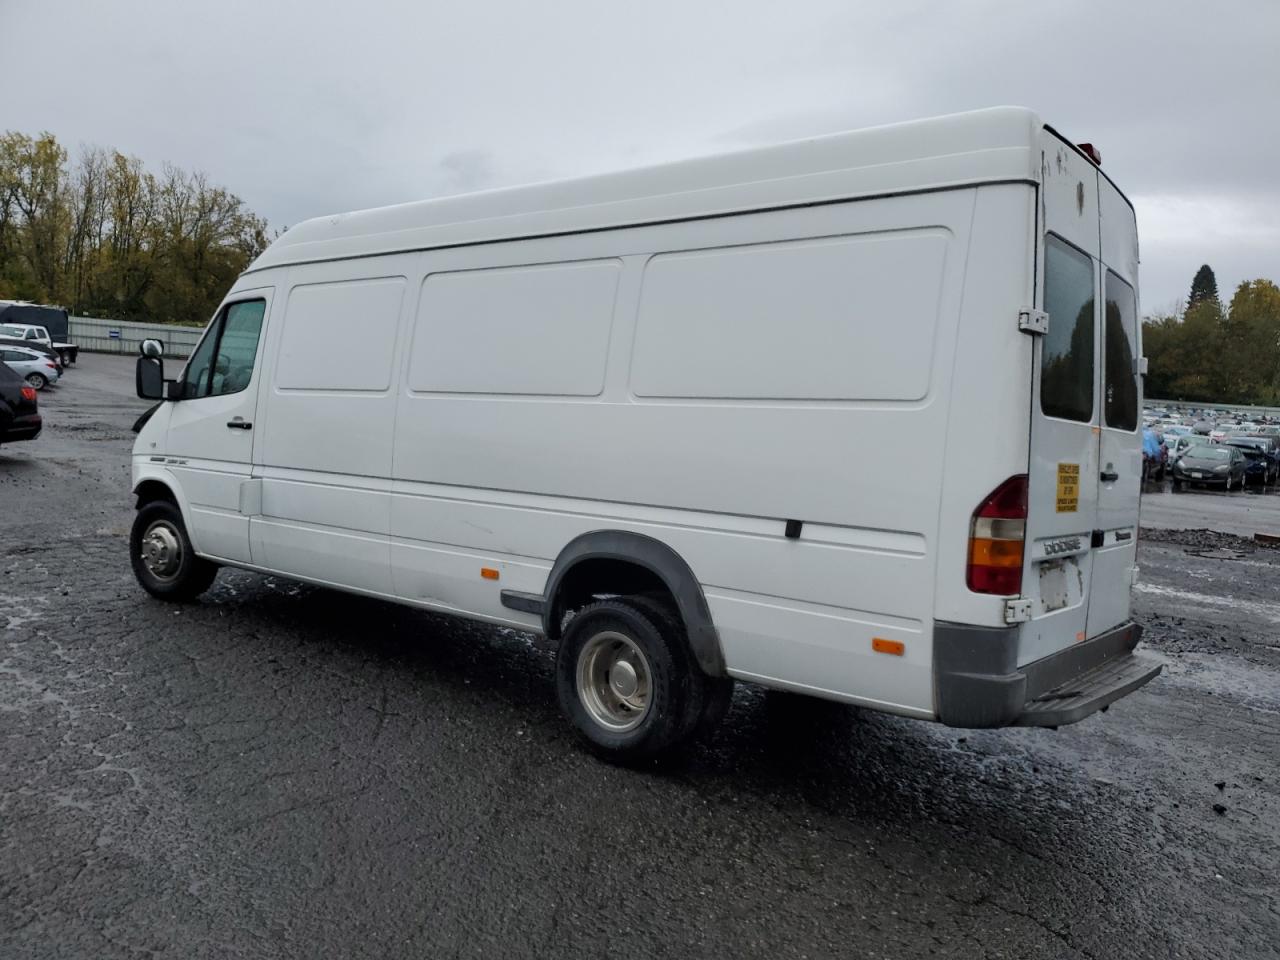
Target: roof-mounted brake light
(1092, 152)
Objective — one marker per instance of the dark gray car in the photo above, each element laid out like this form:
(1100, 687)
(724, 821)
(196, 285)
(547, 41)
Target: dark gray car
(1210, 465)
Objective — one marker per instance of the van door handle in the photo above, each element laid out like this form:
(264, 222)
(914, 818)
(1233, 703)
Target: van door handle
(239, 424)
(1108, 476)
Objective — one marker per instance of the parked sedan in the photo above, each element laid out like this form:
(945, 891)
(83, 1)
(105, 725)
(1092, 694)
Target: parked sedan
(35, 368)
(1203, 465)
(1262, 456)
(40, 348)
(19, 412)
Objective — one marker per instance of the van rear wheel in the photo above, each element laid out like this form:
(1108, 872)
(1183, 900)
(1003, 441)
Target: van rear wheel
(163, 559)
(622, 678)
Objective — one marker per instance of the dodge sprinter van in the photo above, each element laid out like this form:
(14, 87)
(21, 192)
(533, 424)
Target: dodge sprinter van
(854, 416)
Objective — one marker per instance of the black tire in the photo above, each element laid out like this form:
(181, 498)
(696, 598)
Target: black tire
(37, 380)
(1177, 485)
(709, 697)
(662, 722)
(190, 576)
(65, 358)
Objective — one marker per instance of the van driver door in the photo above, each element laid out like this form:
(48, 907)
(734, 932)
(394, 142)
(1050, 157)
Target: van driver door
(211, 429)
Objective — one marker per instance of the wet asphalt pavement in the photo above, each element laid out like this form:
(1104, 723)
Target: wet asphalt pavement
(285, 771)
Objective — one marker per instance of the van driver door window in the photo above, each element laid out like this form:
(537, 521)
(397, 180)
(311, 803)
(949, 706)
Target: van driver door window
(224, 361)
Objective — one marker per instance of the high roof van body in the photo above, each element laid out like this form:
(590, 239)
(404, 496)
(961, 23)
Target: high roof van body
(855, 416)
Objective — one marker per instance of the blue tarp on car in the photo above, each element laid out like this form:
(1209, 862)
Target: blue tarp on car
(1150, 444)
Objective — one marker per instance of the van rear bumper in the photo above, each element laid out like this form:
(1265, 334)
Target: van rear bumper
(977, 682)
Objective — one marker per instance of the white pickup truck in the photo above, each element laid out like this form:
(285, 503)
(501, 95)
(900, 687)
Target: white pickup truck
(36, 323)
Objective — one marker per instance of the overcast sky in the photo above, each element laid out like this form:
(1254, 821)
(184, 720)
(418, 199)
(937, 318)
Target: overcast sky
(307, 107)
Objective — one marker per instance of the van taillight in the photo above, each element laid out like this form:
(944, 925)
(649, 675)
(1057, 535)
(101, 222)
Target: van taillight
(996, 535)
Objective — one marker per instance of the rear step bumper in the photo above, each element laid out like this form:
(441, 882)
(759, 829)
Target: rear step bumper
(977, 682)
(1090, 692)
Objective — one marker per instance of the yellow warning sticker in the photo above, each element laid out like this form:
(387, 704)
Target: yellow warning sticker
(1068, 487)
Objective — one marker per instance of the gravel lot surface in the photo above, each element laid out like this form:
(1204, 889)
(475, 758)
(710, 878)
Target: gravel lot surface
(284, 771)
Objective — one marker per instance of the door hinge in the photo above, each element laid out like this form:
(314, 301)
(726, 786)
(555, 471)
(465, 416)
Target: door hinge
(1031, 320)
(1017, 610)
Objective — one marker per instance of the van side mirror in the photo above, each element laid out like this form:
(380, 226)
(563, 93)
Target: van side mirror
(149, 378)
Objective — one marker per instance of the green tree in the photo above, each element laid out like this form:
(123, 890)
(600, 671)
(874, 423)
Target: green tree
(1254, 327)
(1204, 287)
(108, 237)
(1160, 344)
(33, 182)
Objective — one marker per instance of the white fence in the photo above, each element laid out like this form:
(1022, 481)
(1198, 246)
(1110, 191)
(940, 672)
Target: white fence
(118, 336)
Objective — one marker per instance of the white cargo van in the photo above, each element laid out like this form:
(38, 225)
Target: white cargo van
(854, 416)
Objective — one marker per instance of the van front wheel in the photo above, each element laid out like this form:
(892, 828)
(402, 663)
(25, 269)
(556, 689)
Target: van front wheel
(621, 677)
(162, 556)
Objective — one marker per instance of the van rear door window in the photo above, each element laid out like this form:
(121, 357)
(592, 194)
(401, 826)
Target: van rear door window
(1120, 390)
(1066, 363)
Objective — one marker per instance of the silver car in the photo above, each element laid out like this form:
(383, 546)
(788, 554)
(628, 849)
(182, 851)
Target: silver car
(37, 369)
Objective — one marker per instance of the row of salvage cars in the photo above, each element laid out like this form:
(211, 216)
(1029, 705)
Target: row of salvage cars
(26, 367)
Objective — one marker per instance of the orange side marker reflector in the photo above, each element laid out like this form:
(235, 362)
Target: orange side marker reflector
(895, 647)
(489, 573)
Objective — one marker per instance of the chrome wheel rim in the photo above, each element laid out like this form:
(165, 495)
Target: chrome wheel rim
(614, 681)
(35, 380)
(162, 550)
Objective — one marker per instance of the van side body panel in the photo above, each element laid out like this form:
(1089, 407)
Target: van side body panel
(327, 420)
(987, 431)
(672, 449)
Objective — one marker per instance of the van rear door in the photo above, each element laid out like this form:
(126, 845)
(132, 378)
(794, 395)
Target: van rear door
(1064, 479)
(1120, 438)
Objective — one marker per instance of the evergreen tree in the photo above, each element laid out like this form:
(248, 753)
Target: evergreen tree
(1204, 287)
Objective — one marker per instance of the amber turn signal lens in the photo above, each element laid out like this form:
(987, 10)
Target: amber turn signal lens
(895, 647)
(995, 553)
(489, 573)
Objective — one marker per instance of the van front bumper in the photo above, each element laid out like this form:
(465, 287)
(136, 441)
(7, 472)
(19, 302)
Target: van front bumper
(977, 682)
